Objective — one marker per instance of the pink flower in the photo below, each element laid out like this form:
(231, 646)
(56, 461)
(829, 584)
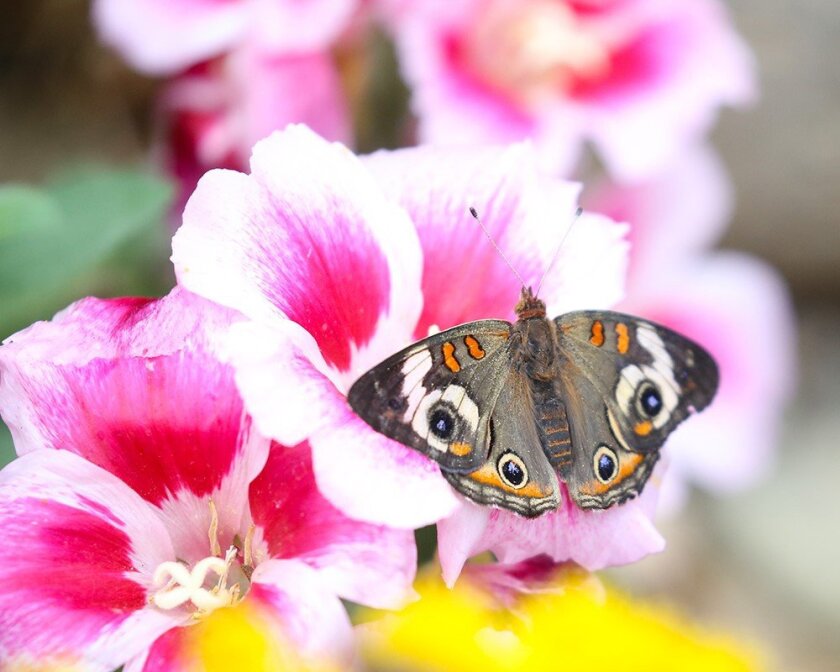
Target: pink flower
(733, 304)
(340, 261)
(638, 78)
(213, 114)
(143, 500)
(162, 37)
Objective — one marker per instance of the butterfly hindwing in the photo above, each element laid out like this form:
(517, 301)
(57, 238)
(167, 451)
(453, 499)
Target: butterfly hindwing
(437, 395)
(599, 471)
(516, 474)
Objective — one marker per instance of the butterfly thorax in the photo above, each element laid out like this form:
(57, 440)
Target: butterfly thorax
(533, 344)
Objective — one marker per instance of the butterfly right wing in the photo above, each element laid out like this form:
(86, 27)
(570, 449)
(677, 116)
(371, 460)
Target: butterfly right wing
(437, 395)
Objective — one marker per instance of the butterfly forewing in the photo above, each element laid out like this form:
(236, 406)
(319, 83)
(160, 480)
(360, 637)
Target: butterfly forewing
(649, 377)
(437, 395)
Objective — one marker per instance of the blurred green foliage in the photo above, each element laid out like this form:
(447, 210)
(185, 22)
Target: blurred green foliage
(89, 231)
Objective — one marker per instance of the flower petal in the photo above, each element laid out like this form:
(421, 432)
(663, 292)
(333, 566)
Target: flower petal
(593, 539)
(294, 27)
(527, 214)
(309, 236)
(78, 551)
(125, 386)
(161, 37)
(365, 563)
(308, 611)
(713, 300)
(214, 114)
(686, 63)
(672, 217)
(367, 476)
(373, 478)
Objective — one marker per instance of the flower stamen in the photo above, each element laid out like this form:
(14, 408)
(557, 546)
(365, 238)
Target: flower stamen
(213, 532)
(182, 585)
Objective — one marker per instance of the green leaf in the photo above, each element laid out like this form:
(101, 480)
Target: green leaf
(99, 211)
(7, 451)
(25, 210)
(56, 241)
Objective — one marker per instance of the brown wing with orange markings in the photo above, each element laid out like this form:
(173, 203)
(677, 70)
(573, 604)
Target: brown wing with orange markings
(626, 385)
(437, 395)
(516, 474)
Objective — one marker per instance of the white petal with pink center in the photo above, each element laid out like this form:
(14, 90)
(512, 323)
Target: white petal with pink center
(526, 212)
(78, 553)
(307, 236)
(287, 387)
(172, 427)
(161, 37)
(639, 78)
(294, 374)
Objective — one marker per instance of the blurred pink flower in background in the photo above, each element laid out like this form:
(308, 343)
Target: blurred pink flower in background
(211, 115)
(163, 37)
(640, 79)
(143, 500)
(733, 304)
(239, 69)
(339, 262)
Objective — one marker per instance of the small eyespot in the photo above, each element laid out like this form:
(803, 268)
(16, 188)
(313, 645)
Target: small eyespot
(605, 464)
(512, 471)
(648, 400)
(441, 423)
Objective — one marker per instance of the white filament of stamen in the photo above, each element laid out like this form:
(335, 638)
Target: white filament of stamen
(183, 585)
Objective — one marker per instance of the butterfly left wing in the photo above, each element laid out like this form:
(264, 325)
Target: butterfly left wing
(626, 384)
(515, 474)
(437, 395)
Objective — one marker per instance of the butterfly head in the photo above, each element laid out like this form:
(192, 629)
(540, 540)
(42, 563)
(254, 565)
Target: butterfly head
(529, 305)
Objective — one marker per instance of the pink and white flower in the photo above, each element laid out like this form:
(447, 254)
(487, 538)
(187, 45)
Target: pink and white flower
(211, 115)
(163, 37)
(733, 304)
(143, 499)
(340, 261)
(638, 78)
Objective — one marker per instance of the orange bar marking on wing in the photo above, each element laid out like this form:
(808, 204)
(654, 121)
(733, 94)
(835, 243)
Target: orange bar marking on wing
(487, 476)
(460, 449)
(623, 337)
(449, 357)
(597, 337)
(474, 347)
(643, 428)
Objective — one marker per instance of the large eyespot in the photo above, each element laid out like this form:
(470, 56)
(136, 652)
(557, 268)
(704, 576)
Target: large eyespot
(648, 400)
(442, 422)
(512, 471)
(605, 464)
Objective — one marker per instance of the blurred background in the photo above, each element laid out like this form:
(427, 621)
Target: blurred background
(764, 562)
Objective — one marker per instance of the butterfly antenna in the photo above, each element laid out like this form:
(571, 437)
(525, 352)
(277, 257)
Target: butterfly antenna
(575, 218)
(498, 249)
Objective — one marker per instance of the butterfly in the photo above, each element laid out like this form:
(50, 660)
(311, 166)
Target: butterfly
(509, 410)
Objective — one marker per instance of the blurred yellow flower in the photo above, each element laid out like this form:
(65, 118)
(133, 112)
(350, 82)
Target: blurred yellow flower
(571, 624)
(243, 638)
